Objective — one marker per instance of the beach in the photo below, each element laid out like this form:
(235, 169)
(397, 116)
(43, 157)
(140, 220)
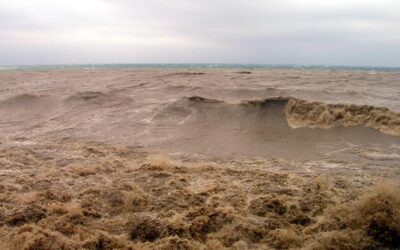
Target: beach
(277, 158)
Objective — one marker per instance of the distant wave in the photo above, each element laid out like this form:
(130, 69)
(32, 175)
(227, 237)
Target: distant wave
(96, 98)
(85, 96)
(25, 100)
(204, 66)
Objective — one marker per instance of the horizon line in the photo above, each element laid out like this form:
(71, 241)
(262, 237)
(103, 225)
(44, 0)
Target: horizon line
(204, 64)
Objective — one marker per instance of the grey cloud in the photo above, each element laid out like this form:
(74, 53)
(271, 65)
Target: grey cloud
(259, 31)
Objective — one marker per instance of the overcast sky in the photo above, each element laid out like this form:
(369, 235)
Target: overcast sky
(341, 32)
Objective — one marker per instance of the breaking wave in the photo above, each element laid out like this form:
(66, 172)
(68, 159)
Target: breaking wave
(284, 127)
(302, 113)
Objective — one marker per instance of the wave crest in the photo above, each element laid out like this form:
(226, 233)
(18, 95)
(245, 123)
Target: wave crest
(301, 113)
